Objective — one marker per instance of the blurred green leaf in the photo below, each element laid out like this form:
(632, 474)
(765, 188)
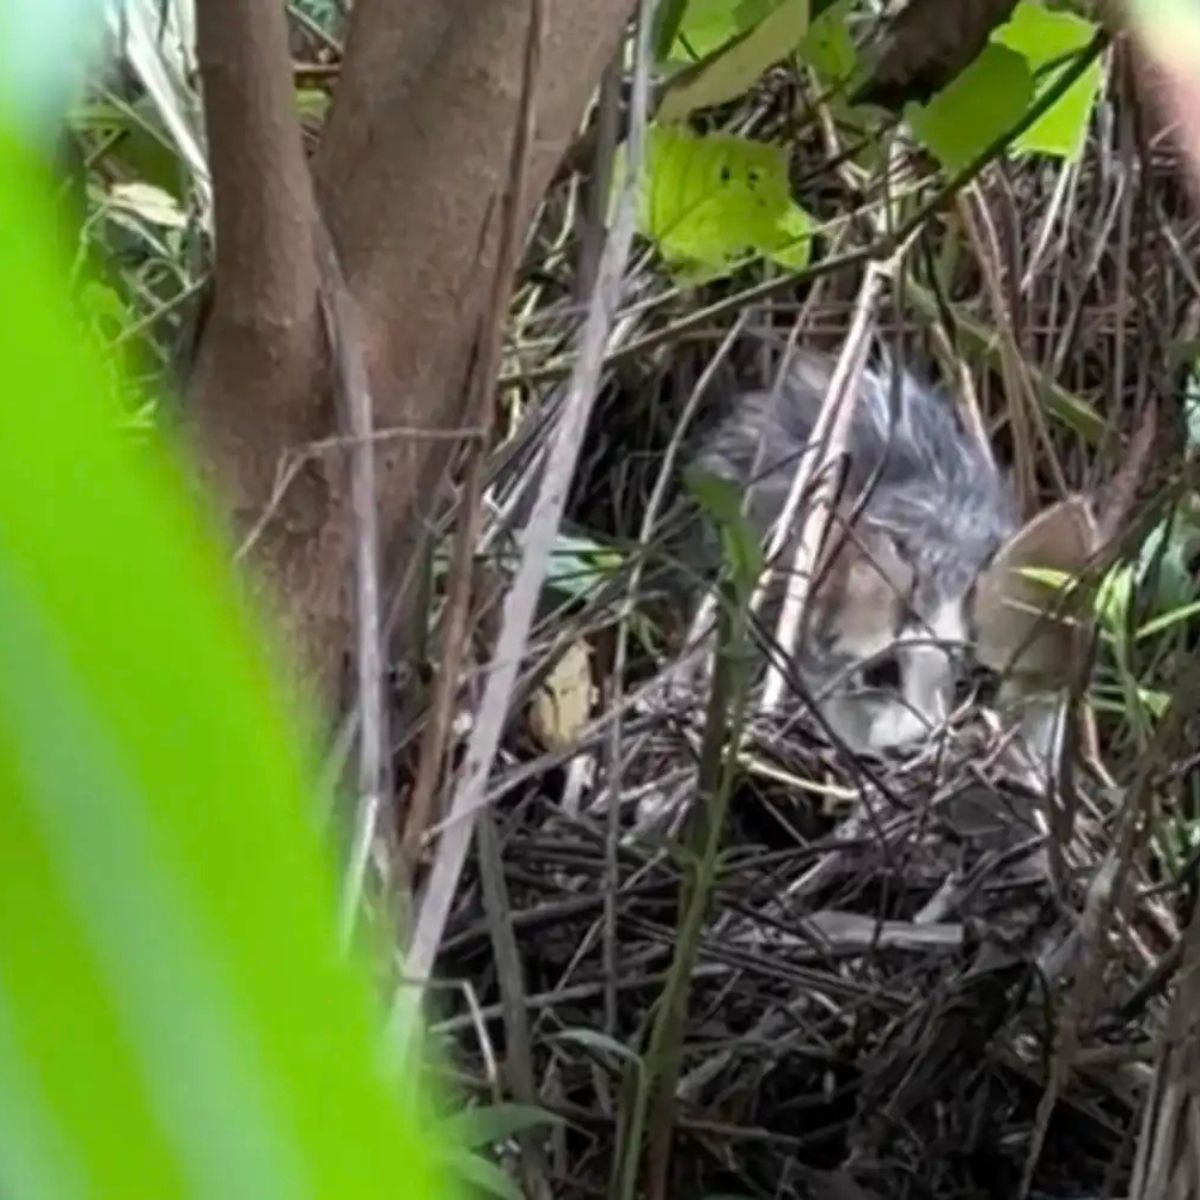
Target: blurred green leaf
(741, 546)
(1047, 40)
(667, 21)
(1191, 411)
(828, 47)
(175, 1018)
(487, 1124)
(1114, 599)
(711, 203)
(139, 142)
(1025, 57)
(1164, 563)
(596, 1039)
(706, 25)
(735, 67)
(1167, 620)
(312, 103)
(971, 112)
(484, 1176)
(579, 565)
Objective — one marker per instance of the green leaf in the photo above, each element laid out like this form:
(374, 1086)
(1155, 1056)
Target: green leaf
(1191, 411)
(1167, 620)
(828, 47)
(1048, 577)
(667, 22)
(312, 103)
(728, 72)
(1047, 41)
(487, 1124)
(175, 1016)
(712, 203)
(1164, 562)
(1113, 599)
(740, 542)
(975, 108)
(579, 565)
(707, 25)
(595, 1039)
(484, 1176)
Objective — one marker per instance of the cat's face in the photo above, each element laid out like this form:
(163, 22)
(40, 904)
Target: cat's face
(889, 651)
(921, 576)
(884, 653)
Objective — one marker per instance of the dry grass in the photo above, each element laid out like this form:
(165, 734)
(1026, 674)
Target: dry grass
(926, 974)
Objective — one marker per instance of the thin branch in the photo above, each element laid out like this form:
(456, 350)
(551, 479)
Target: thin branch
(541, 533)
(454, 633)
(352, 390)
(263, 198)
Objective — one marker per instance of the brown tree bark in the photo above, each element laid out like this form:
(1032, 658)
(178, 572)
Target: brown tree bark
(409, 177)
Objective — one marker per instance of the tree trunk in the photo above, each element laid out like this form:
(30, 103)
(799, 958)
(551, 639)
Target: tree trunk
(409, 176)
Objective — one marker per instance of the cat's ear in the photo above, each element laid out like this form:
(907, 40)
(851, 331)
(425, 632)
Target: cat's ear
(1027, 627)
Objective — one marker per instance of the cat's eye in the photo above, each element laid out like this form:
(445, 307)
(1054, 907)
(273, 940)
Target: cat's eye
(882, 674)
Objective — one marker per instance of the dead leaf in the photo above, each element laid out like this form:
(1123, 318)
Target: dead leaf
(562, 705)
(150, 203)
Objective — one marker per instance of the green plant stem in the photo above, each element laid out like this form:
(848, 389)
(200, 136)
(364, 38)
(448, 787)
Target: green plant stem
(718, 769)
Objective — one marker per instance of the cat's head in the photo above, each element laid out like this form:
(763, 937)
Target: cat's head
(894, 643)
(924, 570)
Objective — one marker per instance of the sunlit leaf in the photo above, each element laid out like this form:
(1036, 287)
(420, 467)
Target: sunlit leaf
(706, 25)
(730, 71)
(713, 203)
(312, 103)
(1114, 598)
(1047, 40)
(970, 113)
(1059, 581)
(828, 47)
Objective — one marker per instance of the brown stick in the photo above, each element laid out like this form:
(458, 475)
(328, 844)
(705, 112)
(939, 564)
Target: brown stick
(263, 202)
(255, 393)
(454, 629)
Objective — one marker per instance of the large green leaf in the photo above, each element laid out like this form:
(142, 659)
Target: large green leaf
(975, 108)
(704, 26)
(1047, 40)
(713, 202)
(175, 1019)
(732, 69)
(1023, 59)
(828, 47)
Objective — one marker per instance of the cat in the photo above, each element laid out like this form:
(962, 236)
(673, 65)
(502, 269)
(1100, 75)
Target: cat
(921, 575)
